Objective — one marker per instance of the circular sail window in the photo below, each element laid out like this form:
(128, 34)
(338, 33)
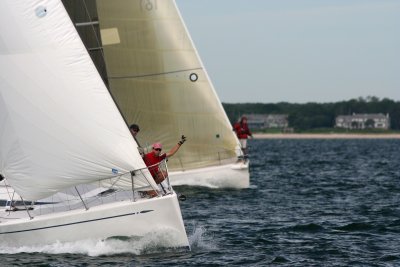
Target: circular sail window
(41, 11)
(193, 77)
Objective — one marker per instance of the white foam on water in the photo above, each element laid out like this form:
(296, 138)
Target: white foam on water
(197, 183)
(151, 242)
(199, 239)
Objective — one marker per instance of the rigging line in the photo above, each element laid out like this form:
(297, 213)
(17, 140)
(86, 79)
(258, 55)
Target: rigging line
(84, 204)
(152, 74)
(133, 186)
(8, 192)
(26, 208)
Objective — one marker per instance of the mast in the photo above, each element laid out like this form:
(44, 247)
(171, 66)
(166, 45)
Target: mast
(84, 16)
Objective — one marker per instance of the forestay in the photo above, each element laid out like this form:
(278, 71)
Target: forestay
(159, 82)
(58, 123)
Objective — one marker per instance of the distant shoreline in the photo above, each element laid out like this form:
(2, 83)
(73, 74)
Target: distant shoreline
(326, 136)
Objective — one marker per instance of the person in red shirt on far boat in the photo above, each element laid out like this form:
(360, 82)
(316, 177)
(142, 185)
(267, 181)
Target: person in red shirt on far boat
(158, 171)
(243, 132)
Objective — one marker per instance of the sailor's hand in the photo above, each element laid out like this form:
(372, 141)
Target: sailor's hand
(183, 140)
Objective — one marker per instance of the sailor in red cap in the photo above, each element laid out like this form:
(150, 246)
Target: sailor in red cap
(153, 159)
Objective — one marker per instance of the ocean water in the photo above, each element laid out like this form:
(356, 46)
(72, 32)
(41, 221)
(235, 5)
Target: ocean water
(311, 203)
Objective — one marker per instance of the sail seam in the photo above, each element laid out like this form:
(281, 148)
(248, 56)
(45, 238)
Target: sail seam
(152, 74)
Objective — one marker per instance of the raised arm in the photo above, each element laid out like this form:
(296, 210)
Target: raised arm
(176, 147)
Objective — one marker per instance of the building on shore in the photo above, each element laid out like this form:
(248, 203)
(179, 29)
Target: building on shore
(267, 121)
(363, 121)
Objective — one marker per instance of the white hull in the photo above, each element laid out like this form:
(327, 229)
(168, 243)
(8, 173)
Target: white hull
(123, 218)
(235, 175)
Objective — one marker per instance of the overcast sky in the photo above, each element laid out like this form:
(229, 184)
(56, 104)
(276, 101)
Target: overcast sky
(297, 51)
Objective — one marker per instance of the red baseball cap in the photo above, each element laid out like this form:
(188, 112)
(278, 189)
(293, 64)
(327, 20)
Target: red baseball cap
(157, 145)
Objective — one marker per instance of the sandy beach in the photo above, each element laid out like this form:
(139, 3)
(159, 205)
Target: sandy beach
(326, 136)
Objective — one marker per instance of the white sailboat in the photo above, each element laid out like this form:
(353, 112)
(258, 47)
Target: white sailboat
(159, 82)
(65, 151)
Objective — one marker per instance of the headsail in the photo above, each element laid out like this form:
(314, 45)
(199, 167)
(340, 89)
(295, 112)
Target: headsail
(58, 123)
(159, 82)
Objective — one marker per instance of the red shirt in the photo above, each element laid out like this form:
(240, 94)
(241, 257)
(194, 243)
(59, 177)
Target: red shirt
(242, 130)
(151, 159)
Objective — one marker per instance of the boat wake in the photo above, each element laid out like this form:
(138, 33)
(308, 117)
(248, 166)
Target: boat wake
(159, 241)
(199, 240)
(199, 184)
(154, 242)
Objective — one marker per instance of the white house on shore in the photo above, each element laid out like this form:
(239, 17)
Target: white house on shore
(363, 121)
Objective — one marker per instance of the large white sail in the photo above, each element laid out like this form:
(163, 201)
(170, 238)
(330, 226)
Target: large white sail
(58, 123)
(159, 82)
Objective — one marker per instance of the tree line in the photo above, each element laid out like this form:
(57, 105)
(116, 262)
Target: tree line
(318, 115)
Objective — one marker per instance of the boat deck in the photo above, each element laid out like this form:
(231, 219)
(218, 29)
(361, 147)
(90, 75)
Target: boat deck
(62, 202)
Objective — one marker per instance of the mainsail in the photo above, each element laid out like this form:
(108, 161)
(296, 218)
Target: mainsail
(159, 82)
(59, 126)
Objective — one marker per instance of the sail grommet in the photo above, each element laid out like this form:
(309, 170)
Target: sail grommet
(41, 11)
(193, 77)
